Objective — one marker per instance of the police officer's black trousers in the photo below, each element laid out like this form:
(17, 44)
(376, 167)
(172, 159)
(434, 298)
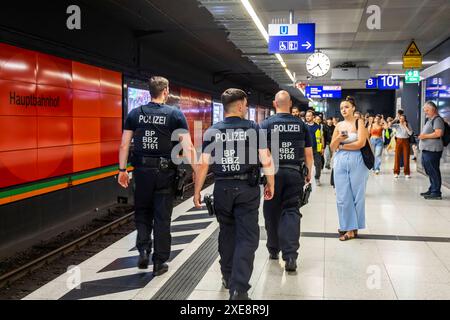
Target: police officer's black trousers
(282, 215)
(153, 201)
(236, 204)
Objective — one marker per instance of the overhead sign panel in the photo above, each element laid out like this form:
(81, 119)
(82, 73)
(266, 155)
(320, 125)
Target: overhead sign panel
(388, 82)
(292, 38)
(319, 92)
(371, 83)
(412, 58)
(412, 76)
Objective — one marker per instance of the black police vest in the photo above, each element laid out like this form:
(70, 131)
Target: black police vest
(235, 147)
(152, 137)
(291, 139)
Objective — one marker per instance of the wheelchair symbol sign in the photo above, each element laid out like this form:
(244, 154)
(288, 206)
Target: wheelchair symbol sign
(283, 45)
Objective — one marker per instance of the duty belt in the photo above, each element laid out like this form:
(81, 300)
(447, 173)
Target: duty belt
(292, 166)
(153, 162)
(243, 176)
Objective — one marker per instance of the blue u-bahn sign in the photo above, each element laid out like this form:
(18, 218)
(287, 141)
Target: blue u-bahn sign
(292, 38)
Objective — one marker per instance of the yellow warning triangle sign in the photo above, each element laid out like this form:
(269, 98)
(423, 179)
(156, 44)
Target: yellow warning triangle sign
(412, 50)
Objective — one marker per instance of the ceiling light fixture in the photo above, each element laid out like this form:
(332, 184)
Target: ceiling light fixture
(289, 74)
(401, 62)
(280, 58)
(390, 74)
(255, 18)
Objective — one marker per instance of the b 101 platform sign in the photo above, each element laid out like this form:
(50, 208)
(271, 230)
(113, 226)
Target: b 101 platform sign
(292, 38)
(388, 82)
(371, 83)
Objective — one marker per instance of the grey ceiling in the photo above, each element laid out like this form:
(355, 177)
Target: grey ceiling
(341, 32)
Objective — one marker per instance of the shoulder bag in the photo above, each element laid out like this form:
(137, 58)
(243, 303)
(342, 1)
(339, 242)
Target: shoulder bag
(367, 154)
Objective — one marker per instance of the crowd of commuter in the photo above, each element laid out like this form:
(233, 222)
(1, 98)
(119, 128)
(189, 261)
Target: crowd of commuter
(288, 145)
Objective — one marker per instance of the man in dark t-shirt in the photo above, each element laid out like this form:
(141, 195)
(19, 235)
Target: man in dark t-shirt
(290, 144)
(151, 127)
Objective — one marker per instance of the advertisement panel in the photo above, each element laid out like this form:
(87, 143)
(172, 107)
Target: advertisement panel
(137, 97)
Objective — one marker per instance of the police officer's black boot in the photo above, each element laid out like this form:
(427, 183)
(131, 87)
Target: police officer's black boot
(239, 295)
(291, 265)
(225, 283)
(143, 259)
(273, 256)
(159, 268)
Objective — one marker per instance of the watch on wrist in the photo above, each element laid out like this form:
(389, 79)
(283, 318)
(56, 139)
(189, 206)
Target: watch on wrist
(122, 170)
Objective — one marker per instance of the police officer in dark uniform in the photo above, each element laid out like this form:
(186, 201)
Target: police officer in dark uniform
(291, 148)
(151, 127)
(236, 153)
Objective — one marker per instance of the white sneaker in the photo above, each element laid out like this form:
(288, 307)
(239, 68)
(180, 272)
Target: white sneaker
(407, 177)
(377, 171)
(317, 182)
(396, 176)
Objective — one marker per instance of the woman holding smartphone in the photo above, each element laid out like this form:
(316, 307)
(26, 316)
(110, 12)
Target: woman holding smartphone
(402, 147)
(350, 172)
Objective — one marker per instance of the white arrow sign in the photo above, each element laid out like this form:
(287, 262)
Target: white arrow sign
(307, 44)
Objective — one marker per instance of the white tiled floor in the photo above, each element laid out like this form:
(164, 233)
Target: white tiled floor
(360, 268)
(327, 268)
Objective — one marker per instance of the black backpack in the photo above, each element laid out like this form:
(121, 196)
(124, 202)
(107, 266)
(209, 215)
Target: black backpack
(446, 136)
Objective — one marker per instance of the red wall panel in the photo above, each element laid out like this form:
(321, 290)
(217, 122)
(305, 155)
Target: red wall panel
(61, 104)
(110, 105)
(110, 129)
(85, 77)
(17, 64)
(46, 141)
(54, 161)
(55, 131)
(10, 91)
(110, 152)
(86, 130)
(18, 167)
(19, 133)
(110, 82)
(86, 156)
(54, 71)
(86, 104)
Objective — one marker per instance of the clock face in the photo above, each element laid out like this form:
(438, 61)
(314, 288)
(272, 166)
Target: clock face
(318, 64)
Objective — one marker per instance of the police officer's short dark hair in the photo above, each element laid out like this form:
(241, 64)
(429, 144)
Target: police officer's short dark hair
(295, 107)
(310, 111)
(157, 85)
(230, 96)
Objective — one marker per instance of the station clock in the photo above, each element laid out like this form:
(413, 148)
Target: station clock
(318, 64)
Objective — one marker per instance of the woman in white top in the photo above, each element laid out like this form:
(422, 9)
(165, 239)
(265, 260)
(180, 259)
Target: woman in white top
(402, 146)
(350, 172)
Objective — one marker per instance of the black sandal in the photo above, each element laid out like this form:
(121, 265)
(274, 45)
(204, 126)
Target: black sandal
(341, 233)
(347, 237)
